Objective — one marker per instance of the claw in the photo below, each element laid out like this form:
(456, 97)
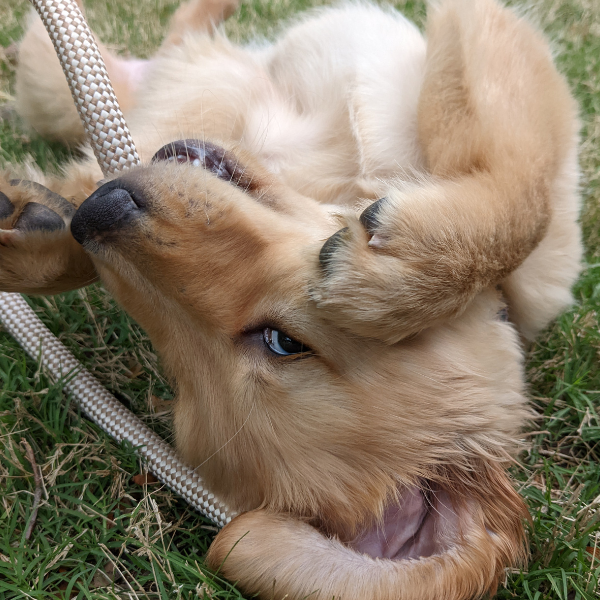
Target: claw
(369, 219)
(330, 247)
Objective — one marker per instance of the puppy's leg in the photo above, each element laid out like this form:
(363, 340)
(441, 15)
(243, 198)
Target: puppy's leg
(38, 254)
(497, 126)
(198, 15)
(43, 96)
(541, 287)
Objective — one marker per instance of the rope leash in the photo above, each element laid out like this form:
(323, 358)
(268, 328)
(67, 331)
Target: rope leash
(115, 151)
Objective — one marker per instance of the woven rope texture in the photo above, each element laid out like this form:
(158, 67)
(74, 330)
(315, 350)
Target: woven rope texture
(88, 80)
(104, 409)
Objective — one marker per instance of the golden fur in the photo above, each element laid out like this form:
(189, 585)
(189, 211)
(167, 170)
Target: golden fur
(412, 395)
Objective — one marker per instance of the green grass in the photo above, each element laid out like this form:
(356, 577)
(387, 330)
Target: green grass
(99, 535)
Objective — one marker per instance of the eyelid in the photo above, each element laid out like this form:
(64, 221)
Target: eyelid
(269, 341)
(262, 324)
(279, 323)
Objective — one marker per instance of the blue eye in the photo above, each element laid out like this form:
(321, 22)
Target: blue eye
(282, 344)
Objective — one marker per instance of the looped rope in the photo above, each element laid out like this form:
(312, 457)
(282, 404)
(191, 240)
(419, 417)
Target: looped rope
(114, 149)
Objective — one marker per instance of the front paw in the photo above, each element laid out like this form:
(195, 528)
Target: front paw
(38, 255)
(388, 275)
(33, 208)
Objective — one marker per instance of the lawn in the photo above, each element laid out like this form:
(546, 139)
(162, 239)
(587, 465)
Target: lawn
(102, 533)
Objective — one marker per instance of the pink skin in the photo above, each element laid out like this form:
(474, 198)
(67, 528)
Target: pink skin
(130, 71)
(136, 70)
(415, 527)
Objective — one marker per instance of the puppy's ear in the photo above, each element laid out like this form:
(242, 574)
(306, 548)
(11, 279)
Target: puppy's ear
(38, 254)
(489, 496)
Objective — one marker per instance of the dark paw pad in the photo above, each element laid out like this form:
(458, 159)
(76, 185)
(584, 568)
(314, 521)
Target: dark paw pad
(369, 217)
(37, 217)
(330, 247)
(52, 200)
(6, 207)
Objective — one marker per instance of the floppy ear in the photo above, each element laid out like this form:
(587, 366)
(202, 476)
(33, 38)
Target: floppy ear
(38, 254)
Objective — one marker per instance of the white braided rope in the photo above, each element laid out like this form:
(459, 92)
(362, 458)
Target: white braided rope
(89, 83)
(104, 409)
(115, 150)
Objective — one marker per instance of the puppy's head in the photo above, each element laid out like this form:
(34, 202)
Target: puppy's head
(278, 406)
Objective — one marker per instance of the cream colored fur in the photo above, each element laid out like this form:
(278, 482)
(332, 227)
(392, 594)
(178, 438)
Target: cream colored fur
(413, 382)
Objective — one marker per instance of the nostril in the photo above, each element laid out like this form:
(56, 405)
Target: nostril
(107, 209)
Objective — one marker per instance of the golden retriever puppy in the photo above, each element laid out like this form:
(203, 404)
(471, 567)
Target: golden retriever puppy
(321, 243)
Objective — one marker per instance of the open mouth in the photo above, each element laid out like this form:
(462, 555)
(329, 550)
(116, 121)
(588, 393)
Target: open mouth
(199, 153)
(222, 163)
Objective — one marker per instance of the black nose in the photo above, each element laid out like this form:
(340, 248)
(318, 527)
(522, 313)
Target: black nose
(109, 208)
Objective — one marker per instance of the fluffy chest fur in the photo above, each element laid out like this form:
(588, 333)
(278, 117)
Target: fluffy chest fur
(331, 108)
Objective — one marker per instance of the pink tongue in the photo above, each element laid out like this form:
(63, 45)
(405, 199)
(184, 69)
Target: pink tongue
(407, 531)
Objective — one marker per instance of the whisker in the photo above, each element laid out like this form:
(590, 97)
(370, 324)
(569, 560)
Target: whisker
(229, 440)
